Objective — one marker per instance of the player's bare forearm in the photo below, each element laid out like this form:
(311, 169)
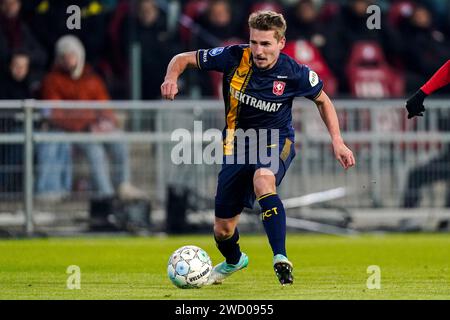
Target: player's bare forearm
(176, 67)
(179, 63)
(328, 113)
(329, 116)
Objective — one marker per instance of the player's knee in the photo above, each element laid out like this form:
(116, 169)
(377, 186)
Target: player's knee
(263, 185)
(223, 231)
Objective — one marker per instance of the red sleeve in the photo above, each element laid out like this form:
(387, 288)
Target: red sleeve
(438, 80)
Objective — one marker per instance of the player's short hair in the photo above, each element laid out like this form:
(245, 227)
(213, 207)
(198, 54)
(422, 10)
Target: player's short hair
(268, 20)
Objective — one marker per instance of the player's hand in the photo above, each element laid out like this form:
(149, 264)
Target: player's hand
(414, 104)
(169, 89)
(343, 154)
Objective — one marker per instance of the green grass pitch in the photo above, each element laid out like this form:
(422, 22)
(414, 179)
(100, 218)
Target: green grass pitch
(413, 266)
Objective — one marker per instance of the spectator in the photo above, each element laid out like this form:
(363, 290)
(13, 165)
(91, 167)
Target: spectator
(217, 29)
(15, 85)
(217, 25)
(305, 24)
(148, 27)
(425, 48)
(50, 23)
(72, 79)
(15, 35)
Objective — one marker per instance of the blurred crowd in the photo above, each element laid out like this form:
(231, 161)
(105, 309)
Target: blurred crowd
(122, 49)
(125, 40)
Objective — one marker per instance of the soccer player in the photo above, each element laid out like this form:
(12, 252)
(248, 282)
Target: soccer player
(437, 168)
(414, 105)
(259, 85)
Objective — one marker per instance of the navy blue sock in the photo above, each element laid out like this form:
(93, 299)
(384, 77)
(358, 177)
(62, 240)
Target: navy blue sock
(274, 221)
(230, 248)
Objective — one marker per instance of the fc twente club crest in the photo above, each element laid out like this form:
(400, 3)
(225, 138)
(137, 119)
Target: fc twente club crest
(278, 87)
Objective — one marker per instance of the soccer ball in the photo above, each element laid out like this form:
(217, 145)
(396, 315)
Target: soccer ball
(189, 267)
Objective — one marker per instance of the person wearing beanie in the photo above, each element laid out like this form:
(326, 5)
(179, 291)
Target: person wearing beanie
(73, 79)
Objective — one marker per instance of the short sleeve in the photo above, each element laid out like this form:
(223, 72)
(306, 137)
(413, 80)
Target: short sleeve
(309, 83)
(215, 59)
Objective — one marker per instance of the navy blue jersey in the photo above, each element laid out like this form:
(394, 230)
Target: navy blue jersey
(255, 98)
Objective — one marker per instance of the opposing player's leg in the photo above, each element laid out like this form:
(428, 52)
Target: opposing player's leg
(226, 236)
(274, 221)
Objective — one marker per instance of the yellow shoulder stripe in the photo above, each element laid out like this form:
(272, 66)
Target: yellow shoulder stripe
(239, 82)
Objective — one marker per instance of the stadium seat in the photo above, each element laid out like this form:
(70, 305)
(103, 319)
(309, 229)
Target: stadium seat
(399, 11)
(369, 75)
(306, 53)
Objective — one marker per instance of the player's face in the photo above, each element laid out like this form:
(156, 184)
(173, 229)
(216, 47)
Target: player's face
(265, 48)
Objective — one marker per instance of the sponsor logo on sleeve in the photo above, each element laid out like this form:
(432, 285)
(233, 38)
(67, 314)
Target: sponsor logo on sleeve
(313, 78)
(216, 51)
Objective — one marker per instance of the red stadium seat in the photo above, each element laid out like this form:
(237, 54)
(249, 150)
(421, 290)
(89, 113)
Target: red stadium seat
(306, 53)
(399, 11)
(369, 74)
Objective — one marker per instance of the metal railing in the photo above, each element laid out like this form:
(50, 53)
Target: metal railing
(386, 145)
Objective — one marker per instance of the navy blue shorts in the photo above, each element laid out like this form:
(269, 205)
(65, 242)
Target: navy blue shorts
(235, 184)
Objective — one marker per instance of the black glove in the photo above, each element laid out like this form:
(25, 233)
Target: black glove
(415, 104)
